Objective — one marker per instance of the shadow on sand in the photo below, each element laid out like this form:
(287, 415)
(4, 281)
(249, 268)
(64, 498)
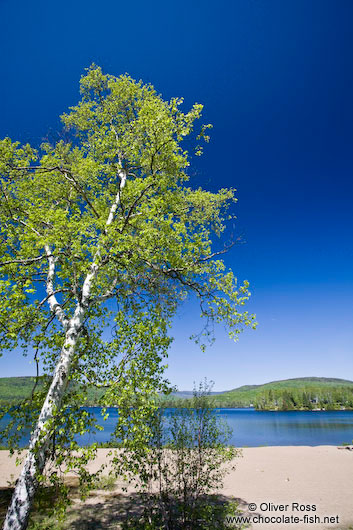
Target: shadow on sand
(102, 510)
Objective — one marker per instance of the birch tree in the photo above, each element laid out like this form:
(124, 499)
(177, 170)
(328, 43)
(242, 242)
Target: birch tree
(104, 229)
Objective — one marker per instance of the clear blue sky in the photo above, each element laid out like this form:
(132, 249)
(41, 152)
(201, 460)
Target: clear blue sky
(276, 79)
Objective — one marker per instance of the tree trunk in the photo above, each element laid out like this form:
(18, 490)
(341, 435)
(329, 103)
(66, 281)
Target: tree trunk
(26, 486)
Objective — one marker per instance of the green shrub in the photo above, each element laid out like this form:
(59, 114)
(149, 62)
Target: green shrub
(183, 467)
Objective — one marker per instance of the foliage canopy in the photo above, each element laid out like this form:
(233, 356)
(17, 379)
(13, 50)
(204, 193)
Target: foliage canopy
(103, 228)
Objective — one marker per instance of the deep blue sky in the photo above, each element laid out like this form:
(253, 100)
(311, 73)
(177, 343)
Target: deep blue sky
(276, 79)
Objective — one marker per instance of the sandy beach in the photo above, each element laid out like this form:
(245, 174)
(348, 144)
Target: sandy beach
(320, 477)
(292, 487)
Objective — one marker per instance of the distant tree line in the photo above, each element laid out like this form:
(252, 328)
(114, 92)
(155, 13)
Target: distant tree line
(308, 399)
(327, 396)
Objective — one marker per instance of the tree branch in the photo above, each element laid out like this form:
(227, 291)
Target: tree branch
(64, 172)
(219, 253)
(52, 294)
(108, 294)
(86, 288)
(134, 204)
(28, 226)
(23, 261)
(54, 305)
(80, 189)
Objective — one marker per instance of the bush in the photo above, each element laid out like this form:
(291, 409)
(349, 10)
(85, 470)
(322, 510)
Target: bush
(183, 465)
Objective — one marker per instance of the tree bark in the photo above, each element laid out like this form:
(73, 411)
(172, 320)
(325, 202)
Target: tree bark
(26, 486)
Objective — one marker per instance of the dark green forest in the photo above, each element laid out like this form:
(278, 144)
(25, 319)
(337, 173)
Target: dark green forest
(307, 393)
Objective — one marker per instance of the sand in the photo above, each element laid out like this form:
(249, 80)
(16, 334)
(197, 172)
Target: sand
(321, 477)
(283, 482)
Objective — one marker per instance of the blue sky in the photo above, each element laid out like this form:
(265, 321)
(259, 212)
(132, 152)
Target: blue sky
(276, 79)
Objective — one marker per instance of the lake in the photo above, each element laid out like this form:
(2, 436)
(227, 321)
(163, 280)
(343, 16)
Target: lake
(254, 428)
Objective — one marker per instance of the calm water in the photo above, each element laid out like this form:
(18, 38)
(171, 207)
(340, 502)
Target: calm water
(252, 428)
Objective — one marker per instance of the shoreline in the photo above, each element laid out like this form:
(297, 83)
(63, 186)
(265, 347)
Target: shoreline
(6, 404)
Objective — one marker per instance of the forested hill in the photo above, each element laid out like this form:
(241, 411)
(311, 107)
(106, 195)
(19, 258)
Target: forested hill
(14, 389)
(305, 393)
(295, 382)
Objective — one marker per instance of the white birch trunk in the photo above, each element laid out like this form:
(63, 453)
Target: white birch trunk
(26, 486)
